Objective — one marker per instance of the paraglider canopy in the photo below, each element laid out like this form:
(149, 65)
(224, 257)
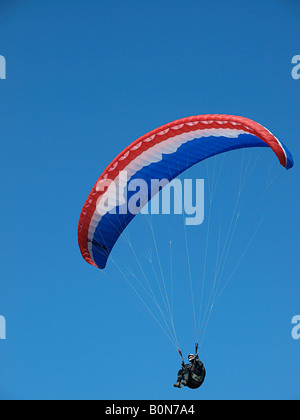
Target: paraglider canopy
(163, 153)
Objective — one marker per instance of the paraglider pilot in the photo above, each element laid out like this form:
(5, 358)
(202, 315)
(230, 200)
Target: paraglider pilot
(191, 375)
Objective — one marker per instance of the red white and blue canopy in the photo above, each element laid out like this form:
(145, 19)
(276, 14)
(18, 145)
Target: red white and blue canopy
(163, 153)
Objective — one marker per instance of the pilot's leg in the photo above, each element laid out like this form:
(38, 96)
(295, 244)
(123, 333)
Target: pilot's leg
(179, 379)
(185, 376)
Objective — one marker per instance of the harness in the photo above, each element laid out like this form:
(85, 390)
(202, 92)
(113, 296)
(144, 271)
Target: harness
(197, 373)
(195, 381)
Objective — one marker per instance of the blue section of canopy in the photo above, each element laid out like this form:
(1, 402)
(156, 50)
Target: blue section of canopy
(194, 151)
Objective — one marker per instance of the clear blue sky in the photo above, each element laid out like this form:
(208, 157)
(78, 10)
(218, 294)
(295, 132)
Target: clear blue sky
(84, 79)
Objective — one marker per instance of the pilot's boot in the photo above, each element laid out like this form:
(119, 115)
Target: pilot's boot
(177, 385)
(184, 383)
